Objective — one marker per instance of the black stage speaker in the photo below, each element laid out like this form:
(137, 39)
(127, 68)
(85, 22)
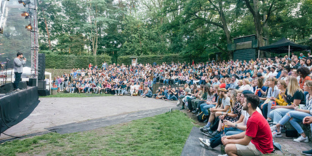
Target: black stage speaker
(44, 92)
(41, 85)
(6, 88)
(22, 85)
(41, 66)
(32, 82)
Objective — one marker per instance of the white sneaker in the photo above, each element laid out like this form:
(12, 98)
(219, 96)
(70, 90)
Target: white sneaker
(207, 147)
(205, 141)
(178, 102)
(222, 155)
(302, 139)
(273, 128)
(276, 134)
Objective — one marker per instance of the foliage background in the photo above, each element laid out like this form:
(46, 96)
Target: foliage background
(72, 61)
(192, 29)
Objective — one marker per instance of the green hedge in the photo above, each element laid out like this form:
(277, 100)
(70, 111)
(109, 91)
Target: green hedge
(159, 59)
(72, 61)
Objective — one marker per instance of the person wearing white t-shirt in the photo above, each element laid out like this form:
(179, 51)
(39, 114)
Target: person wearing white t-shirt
(132, 87)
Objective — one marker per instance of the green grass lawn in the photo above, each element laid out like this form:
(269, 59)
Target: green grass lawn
(161, 135)
(75, 95)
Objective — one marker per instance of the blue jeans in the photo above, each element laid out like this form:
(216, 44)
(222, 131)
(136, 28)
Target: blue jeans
(85, 89)
(202, 82)
(297, 117)
(233, 132)
(17, 79)
(154, 80)
(277, 114)
(216, 140)
(166, 81)
(72, 89)
(119, 91)
(204, 108)
(266, 109)
(149, 95)
(140, 92)
(89, 89)
(123, 91)
(173, 97)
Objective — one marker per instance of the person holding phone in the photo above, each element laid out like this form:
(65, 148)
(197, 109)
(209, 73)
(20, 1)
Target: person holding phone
(19, 62)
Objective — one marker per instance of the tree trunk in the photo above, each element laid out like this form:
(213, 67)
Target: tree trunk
(225, 29)
(45, 21)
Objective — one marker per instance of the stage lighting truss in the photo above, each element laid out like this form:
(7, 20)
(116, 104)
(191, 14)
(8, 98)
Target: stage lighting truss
(29, 27)
(24, 2)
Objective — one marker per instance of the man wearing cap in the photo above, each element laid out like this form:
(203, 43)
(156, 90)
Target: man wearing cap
(19, 61)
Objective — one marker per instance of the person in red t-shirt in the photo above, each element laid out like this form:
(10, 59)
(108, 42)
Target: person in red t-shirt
(257, 139)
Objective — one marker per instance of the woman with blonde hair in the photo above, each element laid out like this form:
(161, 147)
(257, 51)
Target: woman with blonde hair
(279, 100)
(297, 116)
(245, 85)
(239, 84)
(294, 97)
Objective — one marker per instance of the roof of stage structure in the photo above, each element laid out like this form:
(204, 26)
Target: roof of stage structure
(282, 46)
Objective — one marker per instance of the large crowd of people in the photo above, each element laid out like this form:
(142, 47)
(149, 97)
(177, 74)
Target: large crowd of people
(245, 104)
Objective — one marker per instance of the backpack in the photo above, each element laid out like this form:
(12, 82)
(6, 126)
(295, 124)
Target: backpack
(201, 117)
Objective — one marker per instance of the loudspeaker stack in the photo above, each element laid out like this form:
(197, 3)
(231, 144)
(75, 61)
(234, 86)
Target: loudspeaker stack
(41, 66)
(41, 70)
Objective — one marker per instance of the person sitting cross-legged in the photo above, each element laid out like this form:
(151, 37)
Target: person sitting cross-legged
(257, 139)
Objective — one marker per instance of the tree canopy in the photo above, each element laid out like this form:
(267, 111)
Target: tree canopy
(154, 27)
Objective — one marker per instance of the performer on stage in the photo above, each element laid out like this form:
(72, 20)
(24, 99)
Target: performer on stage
(19, 61)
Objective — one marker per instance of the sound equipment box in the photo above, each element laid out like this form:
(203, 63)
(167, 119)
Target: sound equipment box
(32, 82)
(44, 92)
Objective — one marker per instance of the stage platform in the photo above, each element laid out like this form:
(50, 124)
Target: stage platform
(16, 106)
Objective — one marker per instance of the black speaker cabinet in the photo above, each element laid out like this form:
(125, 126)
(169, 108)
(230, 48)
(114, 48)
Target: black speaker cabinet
(41, 66)
(41, 85)
(32, 82)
